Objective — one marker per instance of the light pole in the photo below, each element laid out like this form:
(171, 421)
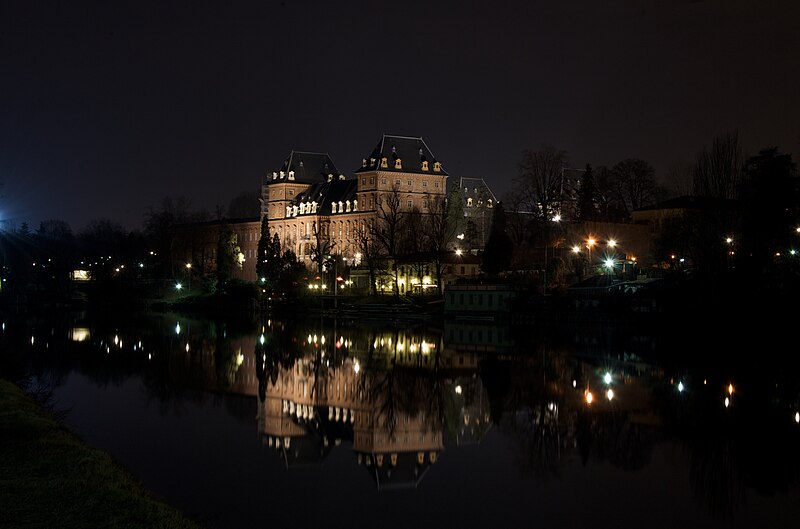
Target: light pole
(189, 276)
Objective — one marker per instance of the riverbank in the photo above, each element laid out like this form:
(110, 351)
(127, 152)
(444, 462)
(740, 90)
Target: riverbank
(50, 478)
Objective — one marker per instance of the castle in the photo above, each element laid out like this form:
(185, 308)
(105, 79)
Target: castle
(310, 204)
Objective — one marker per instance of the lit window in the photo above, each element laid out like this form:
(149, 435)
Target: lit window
(425, 165)
(398, 164)
(384, 163)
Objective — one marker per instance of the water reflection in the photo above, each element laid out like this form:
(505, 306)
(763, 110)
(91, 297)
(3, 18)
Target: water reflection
(398, 400)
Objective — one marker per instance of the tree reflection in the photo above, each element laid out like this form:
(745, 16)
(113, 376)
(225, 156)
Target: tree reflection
(401, 397)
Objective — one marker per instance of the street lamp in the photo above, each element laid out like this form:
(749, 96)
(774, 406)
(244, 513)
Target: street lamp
(590, 242)
(189, 276)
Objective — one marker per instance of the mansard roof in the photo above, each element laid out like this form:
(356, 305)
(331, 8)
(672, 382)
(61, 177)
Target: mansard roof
(325, 193)
(411, 150)
(475, 188)
(305, 168)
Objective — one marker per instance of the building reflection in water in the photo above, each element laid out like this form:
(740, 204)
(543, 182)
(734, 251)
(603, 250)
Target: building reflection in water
(400, 399)
(385, 393)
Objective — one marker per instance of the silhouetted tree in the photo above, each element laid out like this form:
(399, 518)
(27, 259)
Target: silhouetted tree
(244, 205)
(634, 183)
(160, 229)
(441, 231)
(499, 248)
(388, 229)
(611, 207)
(227, 253)
(587, 192)
(770, 201)
(718, 169)
(540, 183)
(369, 248)
(323, 245)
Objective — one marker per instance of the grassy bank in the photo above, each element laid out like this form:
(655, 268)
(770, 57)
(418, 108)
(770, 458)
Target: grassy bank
(50, 478)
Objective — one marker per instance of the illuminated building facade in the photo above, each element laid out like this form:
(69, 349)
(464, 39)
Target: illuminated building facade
(308, 202)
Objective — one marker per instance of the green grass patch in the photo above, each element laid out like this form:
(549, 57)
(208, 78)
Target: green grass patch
(50, 478)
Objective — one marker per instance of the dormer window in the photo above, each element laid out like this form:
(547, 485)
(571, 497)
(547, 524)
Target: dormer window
(341, 177)
(355, 205)
(384, 163)
(274, 175)
(425, 165)
(302, 208)
(372, 162)
(469, 202)
(398, 164)
(333, 207)
(330, 177)
(348, 205)
(314, 207)
(294, 211)
(291, 175)
(363, 162)
(437, 166)
(489, 203)
(288, 211)
(341, 207)
(282, 175)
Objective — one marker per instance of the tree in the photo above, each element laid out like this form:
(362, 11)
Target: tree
(228, 254)
(103, 238)
(587, 207)
(611, 207)
(270, 264)
(160, 230)
(770, 199)
(388, 229)
(244, 205)
(718, 170)
(323, 245)
(541, 180)
(440, 230)
(264, 249)
(499, 248)
(56, 245)
(369, 248)
(455, 209)
(634, 183)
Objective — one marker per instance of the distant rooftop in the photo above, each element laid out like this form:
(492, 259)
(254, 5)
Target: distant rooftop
(407, 154)
(305, 168)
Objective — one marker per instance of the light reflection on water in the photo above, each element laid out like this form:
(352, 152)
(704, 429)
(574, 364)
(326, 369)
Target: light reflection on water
(444, 412)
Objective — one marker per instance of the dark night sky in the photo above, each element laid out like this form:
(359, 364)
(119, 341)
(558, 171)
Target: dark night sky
(107, 107)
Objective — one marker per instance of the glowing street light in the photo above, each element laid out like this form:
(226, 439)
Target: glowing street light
(607, 378)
